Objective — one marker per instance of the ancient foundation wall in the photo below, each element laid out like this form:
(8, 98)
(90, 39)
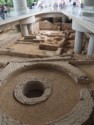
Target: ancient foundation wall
(46, 25)
(36, 27)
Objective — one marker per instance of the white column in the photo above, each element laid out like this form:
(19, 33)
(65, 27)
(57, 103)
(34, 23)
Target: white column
(20, 6)
(18, 28)
(63, 19)
(30, 28)
(52, 3)
(90, 51)
(24, 30)
(33, 27)
(78, 42)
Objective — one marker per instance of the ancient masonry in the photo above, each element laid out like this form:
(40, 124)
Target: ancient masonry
(53, 51)
(83, 108)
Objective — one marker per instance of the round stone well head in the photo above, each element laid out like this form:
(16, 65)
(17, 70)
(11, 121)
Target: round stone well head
(33, 91)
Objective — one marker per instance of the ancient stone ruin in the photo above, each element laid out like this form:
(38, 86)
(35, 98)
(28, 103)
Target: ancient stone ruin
(42, 80)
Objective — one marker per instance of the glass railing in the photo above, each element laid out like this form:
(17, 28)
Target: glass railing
(77, 11)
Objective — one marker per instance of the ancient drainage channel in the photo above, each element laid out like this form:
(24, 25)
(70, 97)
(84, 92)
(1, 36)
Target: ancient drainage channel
(33, 91)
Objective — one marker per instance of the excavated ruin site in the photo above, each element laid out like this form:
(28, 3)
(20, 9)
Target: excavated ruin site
(42, 80)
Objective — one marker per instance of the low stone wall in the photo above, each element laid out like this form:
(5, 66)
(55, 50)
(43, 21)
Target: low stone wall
(77, 75)
(45, 25)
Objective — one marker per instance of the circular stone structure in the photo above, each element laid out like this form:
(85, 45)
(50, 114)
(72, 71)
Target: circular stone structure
(33, 91)
(49, 80)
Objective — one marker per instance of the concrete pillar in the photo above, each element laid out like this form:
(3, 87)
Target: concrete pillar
(20, 6)
(33, 29)
(24, 30)
(78, 42)
(18, 28)
(90, 50)
(30, 28)
(64, 19)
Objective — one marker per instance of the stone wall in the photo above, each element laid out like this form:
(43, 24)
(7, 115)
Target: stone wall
(46, 25)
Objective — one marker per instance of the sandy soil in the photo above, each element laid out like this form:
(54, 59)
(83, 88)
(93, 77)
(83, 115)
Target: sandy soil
(64, 97)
